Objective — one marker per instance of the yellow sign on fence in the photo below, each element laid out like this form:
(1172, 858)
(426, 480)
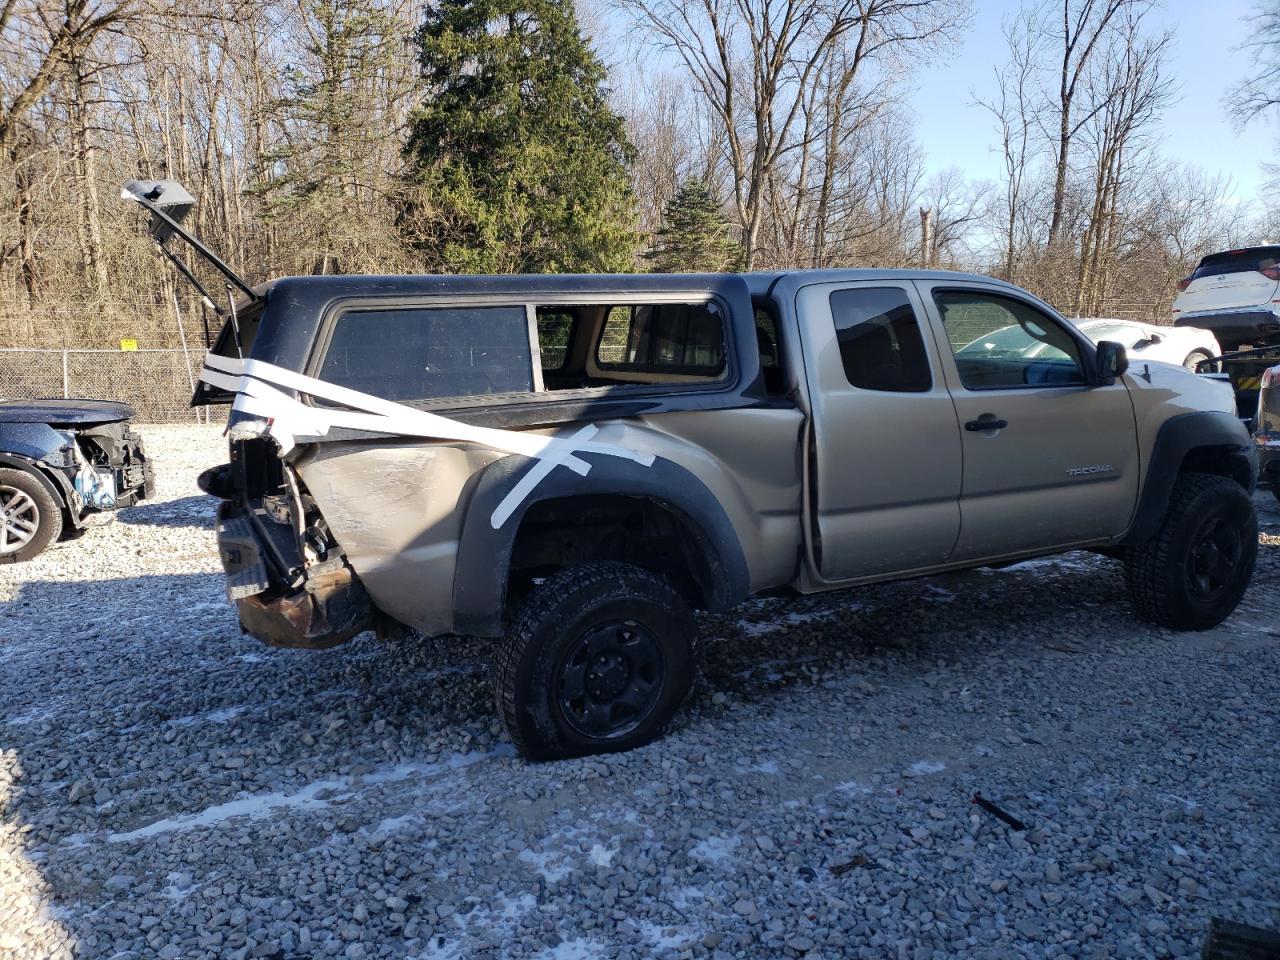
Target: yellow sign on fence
(129, 346)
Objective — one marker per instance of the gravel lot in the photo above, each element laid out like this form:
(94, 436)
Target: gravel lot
(169, 788)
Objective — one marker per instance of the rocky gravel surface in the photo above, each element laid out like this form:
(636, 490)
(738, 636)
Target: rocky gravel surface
(172, 789)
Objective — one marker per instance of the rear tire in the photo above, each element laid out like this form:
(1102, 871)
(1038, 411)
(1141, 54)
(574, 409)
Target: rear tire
(1193, 572)
(30, 518)
(1194, 357)
(598, 660)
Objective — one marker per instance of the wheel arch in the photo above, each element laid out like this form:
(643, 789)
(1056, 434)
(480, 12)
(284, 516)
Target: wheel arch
(1207, 441)
(57, 485)
(662, 518)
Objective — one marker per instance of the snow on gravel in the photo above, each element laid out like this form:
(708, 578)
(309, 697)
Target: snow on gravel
(172, 789)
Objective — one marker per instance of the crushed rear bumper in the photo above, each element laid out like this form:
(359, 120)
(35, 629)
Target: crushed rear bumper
(326, 606)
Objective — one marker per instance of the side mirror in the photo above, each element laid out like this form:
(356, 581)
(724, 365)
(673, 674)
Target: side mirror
(1113, 360)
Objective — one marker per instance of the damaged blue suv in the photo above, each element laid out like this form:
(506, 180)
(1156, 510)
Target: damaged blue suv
(61, 460)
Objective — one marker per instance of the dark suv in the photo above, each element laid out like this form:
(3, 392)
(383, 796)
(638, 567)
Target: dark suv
(61, 460)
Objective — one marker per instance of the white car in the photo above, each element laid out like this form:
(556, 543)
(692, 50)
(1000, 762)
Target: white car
(1181, 346)
(1235, 294)
(1184, 346)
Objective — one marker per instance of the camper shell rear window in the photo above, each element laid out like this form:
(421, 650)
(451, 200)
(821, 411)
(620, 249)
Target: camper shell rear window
(430, 352)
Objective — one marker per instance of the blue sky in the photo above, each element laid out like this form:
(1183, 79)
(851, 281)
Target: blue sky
(954, 131)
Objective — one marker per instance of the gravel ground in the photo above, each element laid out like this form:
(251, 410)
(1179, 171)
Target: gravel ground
(169, 788)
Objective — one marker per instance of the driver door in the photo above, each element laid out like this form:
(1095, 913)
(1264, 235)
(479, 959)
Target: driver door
(1049, 460)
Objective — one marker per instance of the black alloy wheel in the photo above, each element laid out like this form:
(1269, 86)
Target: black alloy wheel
(610, 680)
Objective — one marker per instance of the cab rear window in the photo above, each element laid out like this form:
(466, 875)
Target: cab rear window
(423, 353)
(672, 338)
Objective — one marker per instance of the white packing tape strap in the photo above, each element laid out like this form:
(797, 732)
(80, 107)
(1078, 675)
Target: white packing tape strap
(257, 386)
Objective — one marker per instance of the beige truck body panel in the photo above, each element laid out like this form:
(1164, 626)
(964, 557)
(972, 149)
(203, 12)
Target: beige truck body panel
(397, 507)
(888, 483)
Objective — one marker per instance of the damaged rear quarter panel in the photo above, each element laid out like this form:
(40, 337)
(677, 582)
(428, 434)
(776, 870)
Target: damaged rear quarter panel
(396, 510)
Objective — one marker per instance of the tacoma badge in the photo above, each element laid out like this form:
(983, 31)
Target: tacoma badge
(1086, 471)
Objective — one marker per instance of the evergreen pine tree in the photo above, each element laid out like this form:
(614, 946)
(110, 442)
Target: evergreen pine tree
(519, 165)
(695, 236)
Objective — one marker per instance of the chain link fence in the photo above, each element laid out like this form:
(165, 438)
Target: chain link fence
(156, 383)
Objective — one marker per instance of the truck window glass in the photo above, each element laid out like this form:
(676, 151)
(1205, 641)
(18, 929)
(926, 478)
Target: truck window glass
(1001, 342)
(683, 339)
(426, 353)
(880, 343)
(554, 326)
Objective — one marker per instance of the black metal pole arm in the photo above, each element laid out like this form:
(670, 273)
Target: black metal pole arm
(183, 269)
(196, 245)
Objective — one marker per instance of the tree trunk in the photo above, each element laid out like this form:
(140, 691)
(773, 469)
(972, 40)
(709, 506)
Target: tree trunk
(22, 201)
(84, 166)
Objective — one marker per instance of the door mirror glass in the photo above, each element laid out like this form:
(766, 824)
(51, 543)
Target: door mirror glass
(1113, 360)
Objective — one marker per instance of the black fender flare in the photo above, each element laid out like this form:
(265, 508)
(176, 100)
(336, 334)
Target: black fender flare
(1221, 434)
(484, 554)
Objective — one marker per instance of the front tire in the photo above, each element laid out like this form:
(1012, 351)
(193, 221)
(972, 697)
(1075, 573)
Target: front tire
(598, 659)
(1193, 572)
(30, 518)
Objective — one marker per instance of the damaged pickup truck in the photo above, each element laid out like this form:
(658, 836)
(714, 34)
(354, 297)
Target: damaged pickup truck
(61, 460)
(574, 464)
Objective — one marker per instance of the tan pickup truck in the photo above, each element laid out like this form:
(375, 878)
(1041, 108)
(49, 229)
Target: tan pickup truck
(574, 464)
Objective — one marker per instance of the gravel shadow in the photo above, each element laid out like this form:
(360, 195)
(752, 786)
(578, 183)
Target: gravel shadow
(195, 511)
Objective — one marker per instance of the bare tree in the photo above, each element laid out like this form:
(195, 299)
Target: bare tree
(756, 63)
(1015, 106)
(1131, 89)
(1259, 93)
(1081, 27)
(955, 208)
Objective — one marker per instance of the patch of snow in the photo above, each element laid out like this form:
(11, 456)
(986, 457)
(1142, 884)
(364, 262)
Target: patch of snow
(850, 787)
(715, 849)
(225, 715)
(601, 856)
(794, 618)
(510, 909)
(260, 805)
(440, 949)
(576, 949)
(392, 824)
(552, 866)
(658, 936)
(922, 768)
(31, 716)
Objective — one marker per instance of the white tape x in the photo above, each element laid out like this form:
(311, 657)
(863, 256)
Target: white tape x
(260, 391)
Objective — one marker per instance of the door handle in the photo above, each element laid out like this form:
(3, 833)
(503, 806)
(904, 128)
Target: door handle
(988, 421)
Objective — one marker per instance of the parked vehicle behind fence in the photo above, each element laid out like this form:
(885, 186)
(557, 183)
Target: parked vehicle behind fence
(60, 461)
(1235, 295)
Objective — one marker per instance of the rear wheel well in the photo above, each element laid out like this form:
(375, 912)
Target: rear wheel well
(565, 532)
(1221, 461)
